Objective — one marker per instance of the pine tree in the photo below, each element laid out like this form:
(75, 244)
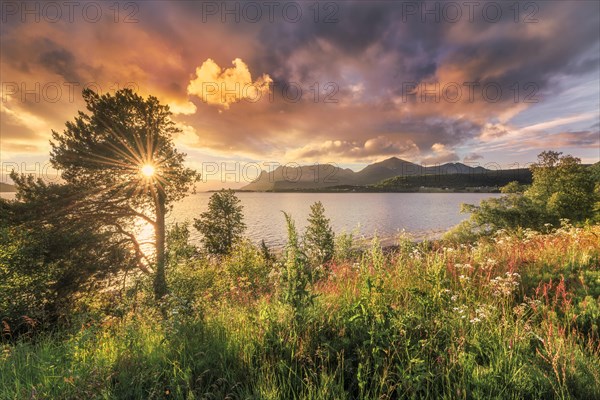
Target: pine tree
(122, 157)
(319, 237)
(223, 224)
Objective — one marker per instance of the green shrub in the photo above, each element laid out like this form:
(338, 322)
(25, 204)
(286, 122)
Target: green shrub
(561, 189)
(344, 249)
(247, 269)
(178, 246)
(47, 261)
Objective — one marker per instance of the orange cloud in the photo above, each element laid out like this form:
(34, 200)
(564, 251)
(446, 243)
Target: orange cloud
(223, 87)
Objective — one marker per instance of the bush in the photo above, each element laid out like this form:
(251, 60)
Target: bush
(561, 189)
(508, 212)
(344, 247)
(247, 270)
(48, 259)
(178, 246)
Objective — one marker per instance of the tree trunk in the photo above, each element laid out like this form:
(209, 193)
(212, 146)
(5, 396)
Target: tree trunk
(160, 283)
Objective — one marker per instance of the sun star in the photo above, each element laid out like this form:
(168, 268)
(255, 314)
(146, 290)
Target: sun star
(147, 170)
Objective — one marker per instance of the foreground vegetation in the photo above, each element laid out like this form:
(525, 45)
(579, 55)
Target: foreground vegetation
(512, 316)
(507, 305)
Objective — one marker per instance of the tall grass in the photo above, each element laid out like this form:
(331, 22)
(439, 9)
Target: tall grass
(511, 317)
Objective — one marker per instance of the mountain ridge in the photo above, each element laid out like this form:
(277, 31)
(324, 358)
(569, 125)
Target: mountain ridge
(321, 176)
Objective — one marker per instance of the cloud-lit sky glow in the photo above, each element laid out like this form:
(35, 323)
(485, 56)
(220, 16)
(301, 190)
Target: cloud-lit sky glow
(345, 82)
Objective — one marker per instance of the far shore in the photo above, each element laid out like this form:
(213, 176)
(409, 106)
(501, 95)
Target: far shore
(362, 189)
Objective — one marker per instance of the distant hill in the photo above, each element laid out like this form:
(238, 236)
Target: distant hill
(324, 176)
(460, 181)
(7, 187)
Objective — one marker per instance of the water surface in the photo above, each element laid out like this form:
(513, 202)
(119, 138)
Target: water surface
(423, 215)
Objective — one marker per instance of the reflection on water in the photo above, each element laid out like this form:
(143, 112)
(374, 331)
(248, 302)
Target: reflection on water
(144, 233)
(423, 215)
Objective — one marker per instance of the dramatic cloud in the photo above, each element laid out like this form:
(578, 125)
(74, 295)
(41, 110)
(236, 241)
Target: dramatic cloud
(223, 87)
(351, 81)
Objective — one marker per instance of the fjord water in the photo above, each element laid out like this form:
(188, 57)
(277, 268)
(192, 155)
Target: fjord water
(423, 215)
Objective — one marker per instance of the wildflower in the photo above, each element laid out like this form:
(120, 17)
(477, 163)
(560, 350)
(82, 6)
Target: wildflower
(474, 320)
(504, 286)
(454, 297)
(530, 233)
(484, 311)
(415, 254)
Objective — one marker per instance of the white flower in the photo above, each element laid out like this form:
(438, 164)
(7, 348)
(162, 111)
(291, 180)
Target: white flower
(504, 286)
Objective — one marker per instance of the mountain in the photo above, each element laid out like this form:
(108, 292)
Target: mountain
(319, 176)
(6, 187)
(387, 169)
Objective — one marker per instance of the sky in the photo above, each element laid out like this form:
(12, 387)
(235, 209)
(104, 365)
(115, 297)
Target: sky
(344, 82)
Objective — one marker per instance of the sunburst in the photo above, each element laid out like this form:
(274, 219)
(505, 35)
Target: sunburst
(148, 170)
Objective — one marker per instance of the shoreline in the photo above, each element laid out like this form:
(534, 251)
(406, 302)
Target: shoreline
(431, 190)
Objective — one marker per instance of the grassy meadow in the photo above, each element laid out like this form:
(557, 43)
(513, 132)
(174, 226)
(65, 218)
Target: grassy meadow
(510, 316)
